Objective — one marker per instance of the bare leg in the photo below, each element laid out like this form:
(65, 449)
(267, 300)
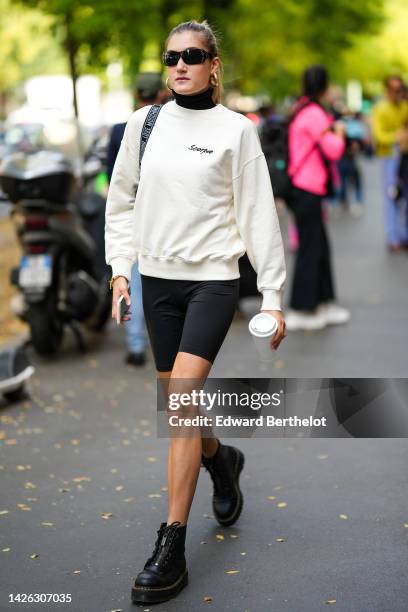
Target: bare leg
(185, 453)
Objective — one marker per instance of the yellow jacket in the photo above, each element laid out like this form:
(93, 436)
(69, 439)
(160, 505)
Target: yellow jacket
(388, 119)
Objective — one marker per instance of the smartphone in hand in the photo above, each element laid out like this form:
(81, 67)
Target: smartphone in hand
(121, 309)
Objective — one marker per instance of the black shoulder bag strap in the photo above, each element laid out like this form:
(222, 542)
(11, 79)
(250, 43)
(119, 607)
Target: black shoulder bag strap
(147, 128)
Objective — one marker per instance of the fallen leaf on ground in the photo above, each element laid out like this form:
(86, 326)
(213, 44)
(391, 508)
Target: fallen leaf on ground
(232, 572)
(331, 601)
(343, 516)
(34, 556)
(207, 598)
(219, 536)
(271, 496)
(282, 505)
(106, 515)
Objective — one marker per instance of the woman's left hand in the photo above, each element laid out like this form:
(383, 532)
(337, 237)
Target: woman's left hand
(280, 333)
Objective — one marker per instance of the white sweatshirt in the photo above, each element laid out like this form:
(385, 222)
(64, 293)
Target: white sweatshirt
(202, 199)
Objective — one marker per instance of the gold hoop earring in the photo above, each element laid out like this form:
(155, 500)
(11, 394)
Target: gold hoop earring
(214, 79)
(167, 84)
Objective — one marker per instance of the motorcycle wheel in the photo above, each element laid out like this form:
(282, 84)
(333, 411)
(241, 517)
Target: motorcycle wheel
(46, 327)
(103, 318)
(103, 314)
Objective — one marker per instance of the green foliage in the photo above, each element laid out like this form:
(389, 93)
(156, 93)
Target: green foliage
(103, 30)
(26, 46)
(372, 57)
(272, 46)
(265, 46)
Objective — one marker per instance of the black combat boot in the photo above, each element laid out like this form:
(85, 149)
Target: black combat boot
(224, 468)
(165, 572)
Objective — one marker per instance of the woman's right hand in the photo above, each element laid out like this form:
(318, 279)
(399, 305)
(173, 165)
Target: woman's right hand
(120, 287)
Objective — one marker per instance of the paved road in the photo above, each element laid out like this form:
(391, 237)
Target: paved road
(83, 476)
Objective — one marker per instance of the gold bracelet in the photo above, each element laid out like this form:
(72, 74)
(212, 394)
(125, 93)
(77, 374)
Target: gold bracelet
(112, 280)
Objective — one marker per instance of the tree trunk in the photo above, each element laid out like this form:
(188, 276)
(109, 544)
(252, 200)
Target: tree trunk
(72, 48)
(3, 104)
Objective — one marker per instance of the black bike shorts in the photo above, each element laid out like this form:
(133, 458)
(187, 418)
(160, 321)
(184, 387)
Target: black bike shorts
(188, 316)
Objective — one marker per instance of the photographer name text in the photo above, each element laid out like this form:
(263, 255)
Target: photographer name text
(235, 421)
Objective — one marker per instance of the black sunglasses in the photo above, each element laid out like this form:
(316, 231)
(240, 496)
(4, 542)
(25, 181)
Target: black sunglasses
(190, 56)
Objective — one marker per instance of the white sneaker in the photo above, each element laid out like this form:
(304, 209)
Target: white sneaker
(356, 210)
(299, 319)
(333, 314)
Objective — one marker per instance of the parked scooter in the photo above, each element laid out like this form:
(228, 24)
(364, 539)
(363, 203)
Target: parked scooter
(15, 371)
(63, 277)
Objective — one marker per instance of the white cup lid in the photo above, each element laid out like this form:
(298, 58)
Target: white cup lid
(262, 325)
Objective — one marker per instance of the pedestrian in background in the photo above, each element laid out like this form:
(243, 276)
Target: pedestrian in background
(390, 115)
(315, 142)
(149, 90)
(403, 166)
(350, 193)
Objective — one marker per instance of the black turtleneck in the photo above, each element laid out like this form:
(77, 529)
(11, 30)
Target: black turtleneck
(199, 101)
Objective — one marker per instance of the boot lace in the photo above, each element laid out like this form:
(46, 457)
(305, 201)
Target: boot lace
(160, 533)
(164, 544)
(220, 479)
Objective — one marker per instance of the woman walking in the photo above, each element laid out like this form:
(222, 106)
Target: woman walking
(315, 142)
(203, 198)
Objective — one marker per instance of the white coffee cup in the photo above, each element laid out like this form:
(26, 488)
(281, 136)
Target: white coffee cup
(262, 327)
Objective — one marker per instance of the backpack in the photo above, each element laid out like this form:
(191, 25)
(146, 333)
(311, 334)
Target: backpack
(274, 137)
(147, 128)
(275, 145)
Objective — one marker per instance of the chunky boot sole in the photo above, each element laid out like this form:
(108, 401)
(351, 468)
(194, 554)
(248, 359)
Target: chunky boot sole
(230, 520)
(159, 594)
